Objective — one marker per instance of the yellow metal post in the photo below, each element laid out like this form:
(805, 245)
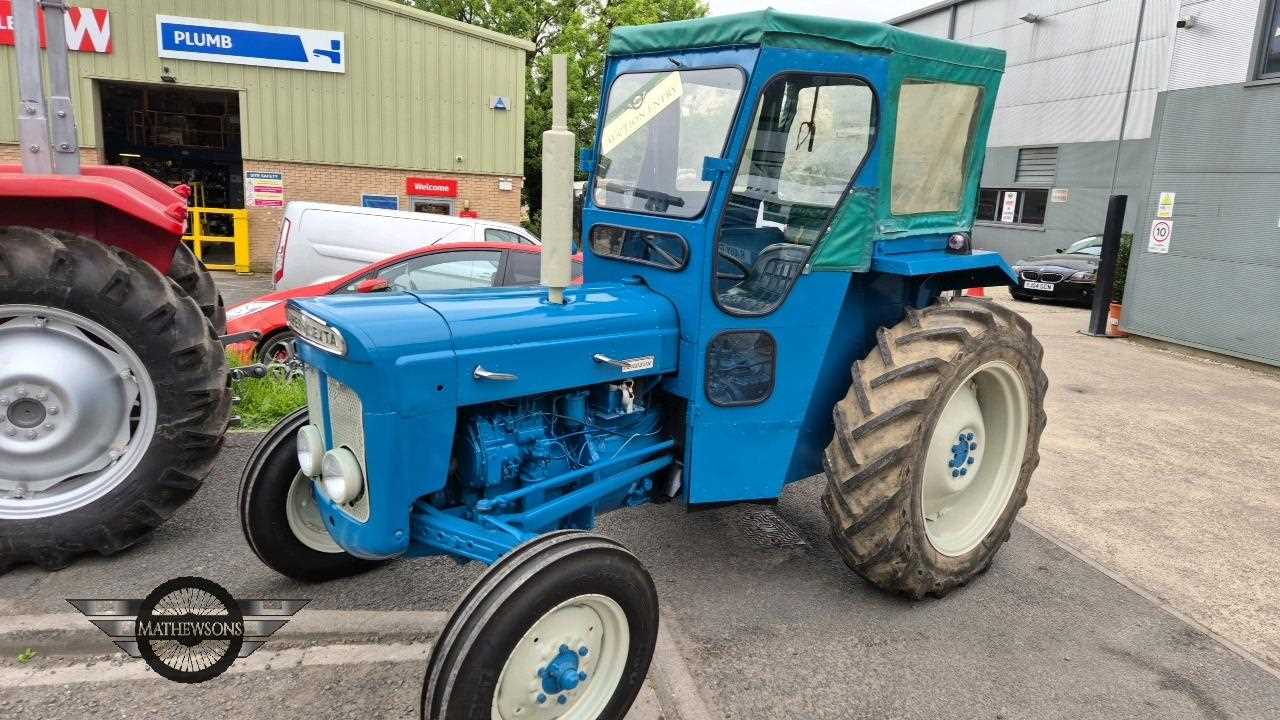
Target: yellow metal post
(239, 238)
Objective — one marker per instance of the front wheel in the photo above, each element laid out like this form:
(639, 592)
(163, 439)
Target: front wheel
(562, 627)
(934, 446)
(279, 517)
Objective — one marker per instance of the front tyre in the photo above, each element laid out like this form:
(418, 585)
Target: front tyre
(562, 627)
(934, 446)
(278, 514)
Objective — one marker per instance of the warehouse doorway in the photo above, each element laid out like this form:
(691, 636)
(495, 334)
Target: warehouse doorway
(179, 136)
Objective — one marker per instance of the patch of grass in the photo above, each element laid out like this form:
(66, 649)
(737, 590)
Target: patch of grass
(265, 401)
(27, 656)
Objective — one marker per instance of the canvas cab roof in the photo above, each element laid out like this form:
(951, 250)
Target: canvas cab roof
(772, 28)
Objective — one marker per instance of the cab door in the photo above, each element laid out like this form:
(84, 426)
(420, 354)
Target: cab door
(770, 331)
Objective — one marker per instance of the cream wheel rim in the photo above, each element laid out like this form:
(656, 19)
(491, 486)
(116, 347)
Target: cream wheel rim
(974, 458)
(568, 665)
(305, 521)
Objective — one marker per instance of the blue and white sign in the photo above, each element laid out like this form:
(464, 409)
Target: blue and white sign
(237, 43)
(380, 202)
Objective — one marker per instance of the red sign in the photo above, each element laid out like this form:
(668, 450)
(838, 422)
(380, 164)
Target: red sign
(431, 187)
(87, 30)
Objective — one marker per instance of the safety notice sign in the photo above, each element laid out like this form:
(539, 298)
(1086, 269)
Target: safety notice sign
(263, 190)
(1161, 236)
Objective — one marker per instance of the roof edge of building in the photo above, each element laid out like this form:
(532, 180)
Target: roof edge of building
(446, 23)
(926, 10)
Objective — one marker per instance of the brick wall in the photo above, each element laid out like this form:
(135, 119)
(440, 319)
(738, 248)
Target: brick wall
(345, 185)
(9, 156)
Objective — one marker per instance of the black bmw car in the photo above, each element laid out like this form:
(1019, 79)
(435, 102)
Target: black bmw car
(1068, 275)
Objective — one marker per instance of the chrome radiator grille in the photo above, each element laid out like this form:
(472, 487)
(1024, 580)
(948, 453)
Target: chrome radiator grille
(315, 411)
(346, 418)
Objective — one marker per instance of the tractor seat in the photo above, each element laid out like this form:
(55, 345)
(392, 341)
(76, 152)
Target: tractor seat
(770, 277)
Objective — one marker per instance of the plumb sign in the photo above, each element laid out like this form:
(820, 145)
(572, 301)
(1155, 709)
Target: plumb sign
(237, 43)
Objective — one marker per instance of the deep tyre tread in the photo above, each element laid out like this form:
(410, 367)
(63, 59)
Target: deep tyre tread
(264, 489)
(882, 427)
(520, 587)
(188, 367)
(193, 277)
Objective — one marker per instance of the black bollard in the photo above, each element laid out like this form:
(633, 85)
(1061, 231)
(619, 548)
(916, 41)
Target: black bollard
(1107, 265)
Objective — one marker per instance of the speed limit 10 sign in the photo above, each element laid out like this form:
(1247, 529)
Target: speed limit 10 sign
(1161, 236)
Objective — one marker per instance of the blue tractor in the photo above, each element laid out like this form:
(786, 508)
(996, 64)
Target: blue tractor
(775, 208)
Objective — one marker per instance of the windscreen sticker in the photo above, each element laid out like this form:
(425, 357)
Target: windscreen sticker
(643, 107)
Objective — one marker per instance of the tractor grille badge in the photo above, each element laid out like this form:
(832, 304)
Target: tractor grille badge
(189, 629)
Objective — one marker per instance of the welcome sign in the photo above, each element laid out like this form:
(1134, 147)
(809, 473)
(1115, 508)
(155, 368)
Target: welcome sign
(237, 43)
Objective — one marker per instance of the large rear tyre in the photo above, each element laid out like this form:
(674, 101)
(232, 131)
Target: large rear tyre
(191, 275)
(934, 446)
(114, 394)
(278, 514)
(562, 627)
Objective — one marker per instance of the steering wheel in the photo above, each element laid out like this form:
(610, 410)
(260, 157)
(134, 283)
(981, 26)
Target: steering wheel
(738, 265)
(654, 248)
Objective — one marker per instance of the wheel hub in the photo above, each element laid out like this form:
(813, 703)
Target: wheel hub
(27, 413)
(77, 410)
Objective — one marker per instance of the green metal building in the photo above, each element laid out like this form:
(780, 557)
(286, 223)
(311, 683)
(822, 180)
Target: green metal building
(259, 103)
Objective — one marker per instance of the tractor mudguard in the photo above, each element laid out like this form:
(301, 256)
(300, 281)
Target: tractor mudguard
(413, 359)
(118, 206)
(941, 270)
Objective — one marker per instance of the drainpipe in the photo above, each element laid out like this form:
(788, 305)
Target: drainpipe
(1128, 93)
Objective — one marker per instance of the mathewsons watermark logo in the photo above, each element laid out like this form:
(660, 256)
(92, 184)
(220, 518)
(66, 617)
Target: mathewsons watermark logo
(189, 629)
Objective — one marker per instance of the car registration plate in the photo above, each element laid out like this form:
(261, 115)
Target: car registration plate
(1032, 285)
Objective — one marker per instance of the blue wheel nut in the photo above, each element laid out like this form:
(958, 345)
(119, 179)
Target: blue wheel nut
(542, 698)
(563, 699)
(955, 473)
(582, 651)
(581, 676)
(970, 461)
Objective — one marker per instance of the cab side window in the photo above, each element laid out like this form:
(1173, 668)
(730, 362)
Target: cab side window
(936, 124)
(809, 136)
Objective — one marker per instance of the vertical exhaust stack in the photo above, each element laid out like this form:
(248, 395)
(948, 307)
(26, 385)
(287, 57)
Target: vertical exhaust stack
(557, 188)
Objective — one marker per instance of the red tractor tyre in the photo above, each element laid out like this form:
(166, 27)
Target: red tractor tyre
(114, 397)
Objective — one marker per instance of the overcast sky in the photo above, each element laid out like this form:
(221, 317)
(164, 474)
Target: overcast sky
(858, 9)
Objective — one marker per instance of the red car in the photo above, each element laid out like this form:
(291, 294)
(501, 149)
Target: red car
(429, 269)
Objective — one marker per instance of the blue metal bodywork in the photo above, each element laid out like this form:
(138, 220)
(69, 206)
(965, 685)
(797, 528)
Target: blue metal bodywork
(472, 467)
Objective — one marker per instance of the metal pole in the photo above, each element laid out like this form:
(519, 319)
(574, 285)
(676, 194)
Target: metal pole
(1106, 281)
(33, 126)
(1128, 93)
(62, 123)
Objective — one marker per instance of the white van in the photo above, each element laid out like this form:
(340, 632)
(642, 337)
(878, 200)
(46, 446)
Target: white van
(320, 242)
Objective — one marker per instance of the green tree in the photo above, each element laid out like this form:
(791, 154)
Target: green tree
(577, 28)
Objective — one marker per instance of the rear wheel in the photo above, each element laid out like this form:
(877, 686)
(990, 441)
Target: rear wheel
(191, 275)
(934, 446)
(114, 397)
(279, 517)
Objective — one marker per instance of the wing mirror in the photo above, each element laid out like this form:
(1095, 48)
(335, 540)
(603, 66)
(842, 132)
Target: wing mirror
(372, 285)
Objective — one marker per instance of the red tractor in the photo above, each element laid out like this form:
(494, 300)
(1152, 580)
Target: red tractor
(114, 387)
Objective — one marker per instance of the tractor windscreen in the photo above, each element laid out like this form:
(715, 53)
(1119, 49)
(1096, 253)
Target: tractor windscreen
(658, 128)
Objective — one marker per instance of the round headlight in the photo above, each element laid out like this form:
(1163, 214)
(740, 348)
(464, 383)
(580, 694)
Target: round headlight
(310, 450)
(340, 476)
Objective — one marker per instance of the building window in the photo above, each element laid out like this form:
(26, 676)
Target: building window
(1036, 165)
(1012, 206)
(1269, 45)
